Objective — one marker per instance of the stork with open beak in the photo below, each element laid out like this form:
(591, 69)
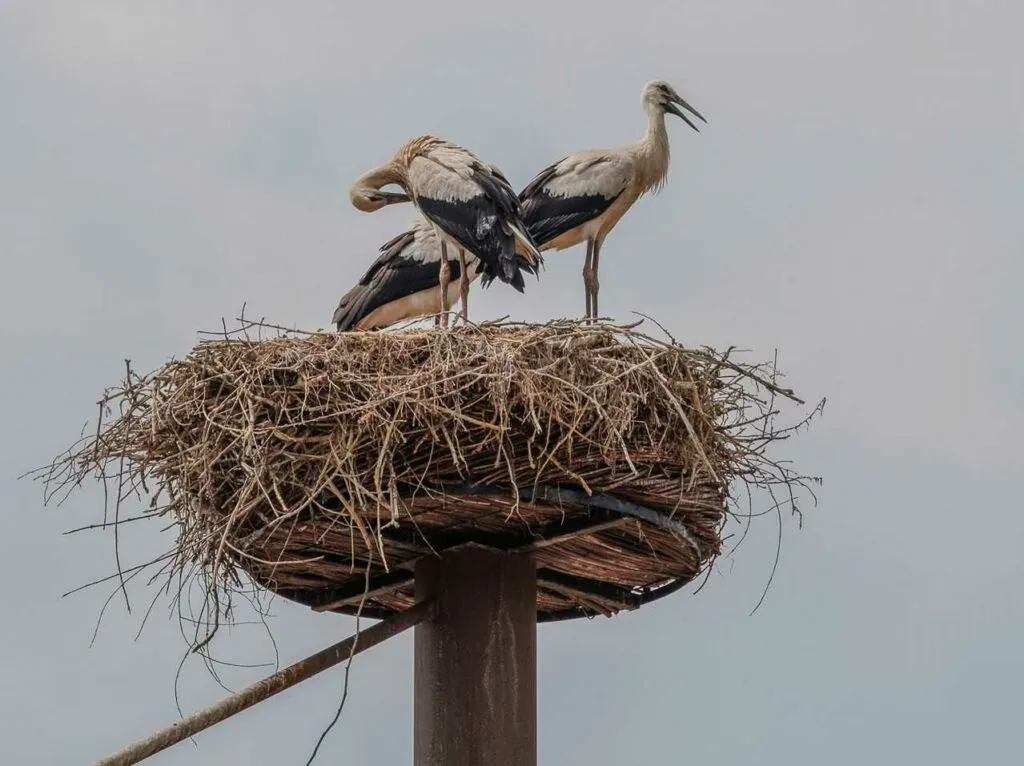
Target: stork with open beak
(470, 205)
(403, 283)
(581, 197)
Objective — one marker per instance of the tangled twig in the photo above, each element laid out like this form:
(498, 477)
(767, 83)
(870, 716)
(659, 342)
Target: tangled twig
(282, 457)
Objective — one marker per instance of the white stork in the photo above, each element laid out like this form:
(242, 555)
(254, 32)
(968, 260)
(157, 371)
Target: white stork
(581, 197)
(403, 283)
(470, 204)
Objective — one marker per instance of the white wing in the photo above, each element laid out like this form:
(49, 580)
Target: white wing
(590, 173)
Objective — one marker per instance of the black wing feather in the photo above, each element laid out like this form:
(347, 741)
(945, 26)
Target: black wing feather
(539, 180)
(504, 196)
(483, 225)
(388, 251)
(390, 278)
(475, 225)
(548, 216)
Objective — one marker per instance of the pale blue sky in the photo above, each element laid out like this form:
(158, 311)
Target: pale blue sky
(853, 202)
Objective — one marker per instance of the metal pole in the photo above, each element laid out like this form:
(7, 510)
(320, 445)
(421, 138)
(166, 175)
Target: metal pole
(476, 660)
(269, 686)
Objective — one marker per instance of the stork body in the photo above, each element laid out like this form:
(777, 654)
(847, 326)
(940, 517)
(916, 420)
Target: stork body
(403, 283)
(470, 205)
(583, 196)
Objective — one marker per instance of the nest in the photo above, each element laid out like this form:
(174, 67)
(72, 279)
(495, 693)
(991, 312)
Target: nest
(323, 466)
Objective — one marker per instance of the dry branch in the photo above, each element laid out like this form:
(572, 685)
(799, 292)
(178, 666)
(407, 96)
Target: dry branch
(304, 459)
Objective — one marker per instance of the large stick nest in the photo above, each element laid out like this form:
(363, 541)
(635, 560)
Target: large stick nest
(324, 465)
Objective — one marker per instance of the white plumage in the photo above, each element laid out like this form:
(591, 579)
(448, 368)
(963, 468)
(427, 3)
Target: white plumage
(469, 203)
(581, 197)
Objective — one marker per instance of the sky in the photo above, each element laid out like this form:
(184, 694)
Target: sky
(853, 203)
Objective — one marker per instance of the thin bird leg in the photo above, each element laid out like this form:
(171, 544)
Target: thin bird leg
(587, 273)
(464, 285)
(594, 284)
(445, 277)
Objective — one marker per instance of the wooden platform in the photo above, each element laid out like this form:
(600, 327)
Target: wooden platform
(596, 555)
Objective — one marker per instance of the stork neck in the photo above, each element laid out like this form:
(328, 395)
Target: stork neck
(365, 192)
(654, 150)
(378, 178)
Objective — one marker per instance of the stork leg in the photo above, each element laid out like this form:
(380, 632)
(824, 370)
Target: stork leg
(588, 274)
(464, 285)
(594, 284)
(445, 278)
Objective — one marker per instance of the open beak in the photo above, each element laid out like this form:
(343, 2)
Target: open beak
(673, 109)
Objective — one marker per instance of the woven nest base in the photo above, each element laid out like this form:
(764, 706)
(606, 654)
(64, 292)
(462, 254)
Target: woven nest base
(596, 554)
(323, 466)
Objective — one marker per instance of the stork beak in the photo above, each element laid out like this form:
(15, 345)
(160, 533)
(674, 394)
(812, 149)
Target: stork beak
(388, 198)
(673, 109)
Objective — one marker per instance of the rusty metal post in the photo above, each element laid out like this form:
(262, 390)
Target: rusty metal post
(476, 660)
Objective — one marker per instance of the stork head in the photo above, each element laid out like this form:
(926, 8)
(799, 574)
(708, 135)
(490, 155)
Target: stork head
(369, 200)
(659, 97)
(365, 193)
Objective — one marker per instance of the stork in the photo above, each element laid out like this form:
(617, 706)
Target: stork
(470, 205)
(403, 283)
(581, 197)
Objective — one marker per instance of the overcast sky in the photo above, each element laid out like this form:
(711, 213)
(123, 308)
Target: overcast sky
(854, 202)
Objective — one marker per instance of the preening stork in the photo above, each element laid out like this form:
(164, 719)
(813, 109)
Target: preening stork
(581, 197)
(470, 205)
(403, 283)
